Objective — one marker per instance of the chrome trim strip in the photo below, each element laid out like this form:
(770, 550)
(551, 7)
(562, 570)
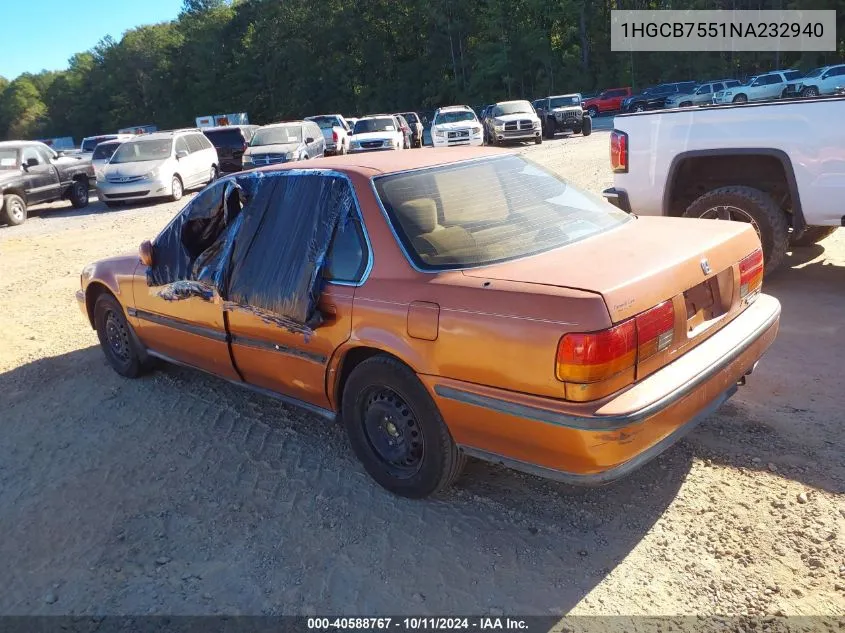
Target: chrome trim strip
(612, 474)
(607, 422)
(325, 413)
(176, 324)
(269, 346)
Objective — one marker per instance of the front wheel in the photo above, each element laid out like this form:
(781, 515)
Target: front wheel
(14, 209)
(396, 430)
(538, 140)
(740, 99)
(587, 126)
(79, 194)
(116, 337)
(640, 107)
(812, 235)
(593, 111)
(746, 204)
(812, 91)
(212, 174)
(176, 190)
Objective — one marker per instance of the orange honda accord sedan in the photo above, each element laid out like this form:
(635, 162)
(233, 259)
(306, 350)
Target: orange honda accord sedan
(446, 303)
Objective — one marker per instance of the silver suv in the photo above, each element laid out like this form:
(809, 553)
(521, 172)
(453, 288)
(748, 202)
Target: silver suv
(161, 164)
(702, 95)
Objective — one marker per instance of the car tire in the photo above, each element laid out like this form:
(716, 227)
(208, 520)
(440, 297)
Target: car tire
(593, 111)
(638, 107)
(548, 131)
(538, 140)
(176, 189)
(811, 91)
(768, 219)
(14, 210)
(117, 339)
(812, 235)
(740, 99)
(686, 104)
(586, 126)
(396, 430)
(79, 194)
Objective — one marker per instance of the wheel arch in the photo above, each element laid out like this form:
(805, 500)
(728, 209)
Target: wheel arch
(15, 191)
(94, 291)
(346, 360)
(672, 190)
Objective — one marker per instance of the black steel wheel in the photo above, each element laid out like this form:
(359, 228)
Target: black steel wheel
(396, 430)
(79, 193)
(117, 338)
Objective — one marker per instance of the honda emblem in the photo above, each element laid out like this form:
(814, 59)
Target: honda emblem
(705, 266)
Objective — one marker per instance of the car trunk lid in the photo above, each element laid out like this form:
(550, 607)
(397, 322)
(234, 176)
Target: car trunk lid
(645, 262)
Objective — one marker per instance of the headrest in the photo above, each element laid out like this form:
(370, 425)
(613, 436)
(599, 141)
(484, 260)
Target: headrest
(419, 216)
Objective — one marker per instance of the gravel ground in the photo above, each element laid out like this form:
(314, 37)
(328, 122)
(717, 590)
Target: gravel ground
(179, 493)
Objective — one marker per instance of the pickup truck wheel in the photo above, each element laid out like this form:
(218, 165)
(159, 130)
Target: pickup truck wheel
(740, 99)
(538, 140)
(587, 126)
(812, 235)
(396, 430)
(176, 189)
(593, 111)
(116, 337)
(746, 204)
(79, 194)
(14, 209)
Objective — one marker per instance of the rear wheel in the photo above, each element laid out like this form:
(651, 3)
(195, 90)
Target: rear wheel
(746, 204)
(14, 209)
(396, 430)
(587, 126)
(176, 190)
(79, 193)
(116, 337)
(812, 235)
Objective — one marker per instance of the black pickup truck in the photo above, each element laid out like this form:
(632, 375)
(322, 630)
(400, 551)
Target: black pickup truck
(31, 172)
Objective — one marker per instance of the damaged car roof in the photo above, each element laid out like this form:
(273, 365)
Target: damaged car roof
(370, 164)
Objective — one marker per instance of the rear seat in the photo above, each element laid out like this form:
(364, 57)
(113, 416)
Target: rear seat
(429, 238)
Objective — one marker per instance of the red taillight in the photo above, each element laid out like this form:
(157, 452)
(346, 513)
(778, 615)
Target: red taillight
(619, 151)
(611, 355)
(655, 330)
(751, 274)
(595, 356)
(334, 136)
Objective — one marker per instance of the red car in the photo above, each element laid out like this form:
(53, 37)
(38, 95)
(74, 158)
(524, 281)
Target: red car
(608, 101)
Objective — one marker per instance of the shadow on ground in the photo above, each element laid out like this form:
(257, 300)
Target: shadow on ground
(152, 495)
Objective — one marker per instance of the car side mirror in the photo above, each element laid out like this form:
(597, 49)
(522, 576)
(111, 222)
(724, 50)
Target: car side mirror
(145, 252)
(181, 154)
(310, 139)
(31, 162)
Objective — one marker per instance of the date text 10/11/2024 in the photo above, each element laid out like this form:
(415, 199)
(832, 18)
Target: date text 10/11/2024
(417, 624)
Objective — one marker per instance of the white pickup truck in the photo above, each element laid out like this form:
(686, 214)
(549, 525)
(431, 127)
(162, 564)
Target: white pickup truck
(335, 130)
(779, 166)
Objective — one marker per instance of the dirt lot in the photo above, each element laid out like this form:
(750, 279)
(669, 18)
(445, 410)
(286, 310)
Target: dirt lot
(181, 494)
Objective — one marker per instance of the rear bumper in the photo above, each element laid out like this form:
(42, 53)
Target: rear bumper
(592, 445)
(618, 198)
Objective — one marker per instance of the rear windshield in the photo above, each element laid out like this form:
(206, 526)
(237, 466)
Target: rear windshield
(487, 211)
(89, 144)
(410, 117)
(326, 122)
(281, 135)
(104, 151)
(231, 137)
(140, 151)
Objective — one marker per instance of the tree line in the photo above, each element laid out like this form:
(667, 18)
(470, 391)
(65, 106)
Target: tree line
(284, 59)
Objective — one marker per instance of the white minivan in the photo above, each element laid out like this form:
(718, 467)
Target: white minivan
(158, 165)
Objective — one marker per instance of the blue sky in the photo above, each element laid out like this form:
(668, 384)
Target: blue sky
(43, 34)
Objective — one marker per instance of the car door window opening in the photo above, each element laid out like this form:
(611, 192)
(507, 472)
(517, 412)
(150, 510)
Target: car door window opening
(255, 240)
